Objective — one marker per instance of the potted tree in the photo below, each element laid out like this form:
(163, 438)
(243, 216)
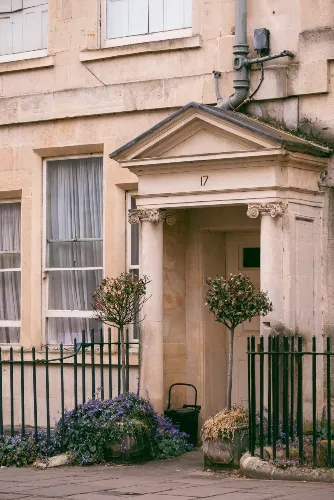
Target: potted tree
(117, 302)
(232, 300)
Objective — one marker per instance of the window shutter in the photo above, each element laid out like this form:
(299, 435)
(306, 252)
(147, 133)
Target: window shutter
(44, 27)
(178, 14)
(34, 3)
(156, 15)
(35, 28)
(6, 35)
(7, 6)
(17, 32)
(138, 17)
(117, 18)
(187, 13)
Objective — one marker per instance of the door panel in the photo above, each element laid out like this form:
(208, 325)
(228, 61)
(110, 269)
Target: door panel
(235, 243)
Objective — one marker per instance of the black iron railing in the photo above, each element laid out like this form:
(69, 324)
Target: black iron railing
(290, 398)
(94, 365)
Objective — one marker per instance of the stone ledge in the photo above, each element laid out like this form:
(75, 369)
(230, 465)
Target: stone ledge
(193, 42)
(27, 64)
(255, 468)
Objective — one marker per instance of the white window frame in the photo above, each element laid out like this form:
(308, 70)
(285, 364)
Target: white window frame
(22, 56)
(30, 54)
(52, 313)
(13, 323)
(135, 39)
(129, 266)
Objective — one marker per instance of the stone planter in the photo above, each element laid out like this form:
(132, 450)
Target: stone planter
(127, 450)
(226, 452)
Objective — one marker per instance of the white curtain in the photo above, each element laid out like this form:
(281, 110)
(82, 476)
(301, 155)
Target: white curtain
(10, 279)
(74, 211)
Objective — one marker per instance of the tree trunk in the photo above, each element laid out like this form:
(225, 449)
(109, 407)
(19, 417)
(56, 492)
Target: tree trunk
(139, 361)
(230, 367)
(123, 372)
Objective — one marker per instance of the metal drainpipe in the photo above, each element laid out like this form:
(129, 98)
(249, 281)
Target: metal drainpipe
(240, 51)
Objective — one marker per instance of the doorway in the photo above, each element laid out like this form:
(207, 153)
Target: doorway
(225, 253)
(243, 256)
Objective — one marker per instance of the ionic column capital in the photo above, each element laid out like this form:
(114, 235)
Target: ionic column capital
(272, 209)
(154, 215)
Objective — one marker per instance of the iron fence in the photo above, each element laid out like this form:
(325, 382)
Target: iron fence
(290, 400)
(92, 369)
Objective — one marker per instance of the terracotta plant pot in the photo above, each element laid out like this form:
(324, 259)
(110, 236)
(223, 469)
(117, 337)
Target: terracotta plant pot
(226, 452)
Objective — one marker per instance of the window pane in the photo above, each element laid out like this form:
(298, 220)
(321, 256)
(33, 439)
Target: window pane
(74, 199)
(138, 17)
(75, 254)
(135, 328)
(251, 257)
(10, 227)
(10, 261)
(6, 34)
(34, 22)
(156, 15)
(10, 295)
(176, 14)
(72, 290)
(134, 238)
(117, 18)
(9, 335)
(65, 330)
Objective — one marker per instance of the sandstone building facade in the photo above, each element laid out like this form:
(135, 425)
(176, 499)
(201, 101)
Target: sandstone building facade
(108, 106)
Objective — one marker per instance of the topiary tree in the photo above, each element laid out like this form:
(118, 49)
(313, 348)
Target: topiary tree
(117, 302)
(233, 301)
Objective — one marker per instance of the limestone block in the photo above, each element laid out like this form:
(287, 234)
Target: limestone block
(36, 107)
(309, 78)
(88, 101)
(225, 56)
(27, 64)
(281, 17)
(211, 19)
(317, 44)
(9, 111)
(316, 15)
(142, 95)
(178, 91)
(7, 159)
(274, 85)
(317, 115)
(284, 112)
(197, 62)
(57, 461)
(227, 17)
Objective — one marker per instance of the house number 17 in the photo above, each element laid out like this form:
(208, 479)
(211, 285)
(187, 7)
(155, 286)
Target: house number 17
(204, 180)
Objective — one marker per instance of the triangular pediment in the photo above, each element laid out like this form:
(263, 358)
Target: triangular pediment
(207, 139)
(198, 130)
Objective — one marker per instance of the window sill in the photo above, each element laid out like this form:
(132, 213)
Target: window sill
(191, 42)
(35, 62)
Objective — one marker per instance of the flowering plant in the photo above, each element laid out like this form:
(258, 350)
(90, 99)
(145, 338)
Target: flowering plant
(24, 450)
(86, 431)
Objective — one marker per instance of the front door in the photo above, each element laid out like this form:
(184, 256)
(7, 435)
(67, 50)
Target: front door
(242, 253)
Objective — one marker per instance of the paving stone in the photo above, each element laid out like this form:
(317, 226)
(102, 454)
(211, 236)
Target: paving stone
(206, 491)
(179, 479)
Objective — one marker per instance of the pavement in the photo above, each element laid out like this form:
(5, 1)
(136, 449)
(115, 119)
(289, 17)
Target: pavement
(178, 479)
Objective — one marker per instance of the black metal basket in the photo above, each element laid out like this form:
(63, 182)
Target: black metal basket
(185, 418)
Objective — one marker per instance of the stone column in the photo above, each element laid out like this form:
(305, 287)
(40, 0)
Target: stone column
(151, 331)
(272, 254)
